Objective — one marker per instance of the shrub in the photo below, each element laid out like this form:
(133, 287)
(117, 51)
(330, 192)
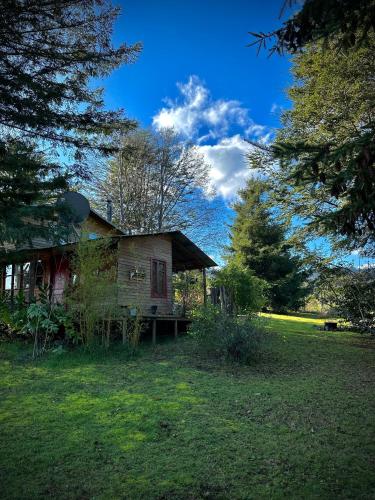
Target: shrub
(223, 336)
(42, 319)
(92, 298)
(13, 316)
(350, 292)
(246, 290)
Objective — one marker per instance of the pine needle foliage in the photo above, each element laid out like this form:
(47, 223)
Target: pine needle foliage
(50, 51)
(322, 161)
(352, 20)
(259, 243)
(27, 194)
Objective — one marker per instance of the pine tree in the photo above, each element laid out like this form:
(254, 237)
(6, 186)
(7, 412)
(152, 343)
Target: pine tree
(258, 241)
(49, 110)
(322, 160)
(49, 53)
(27, 189)
(350, 22)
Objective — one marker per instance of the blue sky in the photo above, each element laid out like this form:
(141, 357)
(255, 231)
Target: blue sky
(196, 74)
(205, 38)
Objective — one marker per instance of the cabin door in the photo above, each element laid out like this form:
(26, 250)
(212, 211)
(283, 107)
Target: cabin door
(61, 275)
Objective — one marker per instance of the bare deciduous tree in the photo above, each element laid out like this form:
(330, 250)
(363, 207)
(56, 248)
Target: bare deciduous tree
(159, 183)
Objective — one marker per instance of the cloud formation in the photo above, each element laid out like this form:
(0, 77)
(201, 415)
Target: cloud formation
(197, 116)
(229, 169)
(218, 128)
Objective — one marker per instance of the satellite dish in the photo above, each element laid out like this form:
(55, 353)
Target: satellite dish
(76, 208)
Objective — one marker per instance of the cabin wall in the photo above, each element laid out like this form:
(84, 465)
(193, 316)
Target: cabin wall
(137, 253)
(96, 226)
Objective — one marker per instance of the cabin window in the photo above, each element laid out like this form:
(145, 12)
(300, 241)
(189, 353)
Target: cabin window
(17, 276)
(8, 278)
(158, 278)
(39, 274)
(26, 276)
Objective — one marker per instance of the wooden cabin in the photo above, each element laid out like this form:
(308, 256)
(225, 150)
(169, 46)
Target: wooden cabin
(146, 263)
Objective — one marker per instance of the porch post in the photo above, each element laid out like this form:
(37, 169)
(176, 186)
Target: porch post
(124, 328)
(12, 282)
(204, 286)
(154, 331)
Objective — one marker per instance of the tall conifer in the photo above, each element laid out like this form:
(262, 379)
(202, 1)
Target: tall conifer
(259, 242)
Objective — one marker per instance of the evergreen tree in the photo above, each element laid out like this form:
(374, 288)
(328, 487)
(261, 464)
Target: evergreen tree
(322, 161)
(25, 195)
(352, 20)
(49, 53)
(258, 241)
(326, 149)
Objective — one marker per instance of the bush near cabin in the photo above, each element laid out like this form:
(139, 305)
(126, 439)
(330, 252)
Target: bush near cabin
(247, 292)
(223, 336)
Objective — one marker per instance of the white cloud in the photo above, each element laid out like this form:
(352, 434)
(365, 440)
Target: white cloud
(216, 126)
(197, 116)
(228, 167)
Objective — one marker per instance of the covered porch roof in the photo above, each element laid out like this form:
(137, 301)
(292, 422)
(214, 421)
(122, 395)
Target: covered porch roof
(186, 255)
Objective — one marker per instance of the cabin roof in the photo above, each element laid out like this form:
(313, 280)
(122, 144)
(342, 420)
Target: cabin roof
(186, 255)
(43, 244)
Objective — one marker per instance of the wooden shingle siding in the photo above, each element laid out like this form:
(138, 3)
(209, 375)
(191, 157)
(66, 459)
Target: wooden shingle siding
(92, 225)
(137, 254)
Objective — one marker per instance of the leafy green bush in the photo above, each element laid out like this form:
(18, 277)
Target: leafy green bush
(229, 337)
(350, 294)
(13, 315)
(246, 290)
(42, 319)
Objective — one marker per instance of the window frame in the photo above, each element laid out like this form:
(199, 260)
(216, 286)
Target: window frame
(20, 276)
(164, 293)
(5, 275)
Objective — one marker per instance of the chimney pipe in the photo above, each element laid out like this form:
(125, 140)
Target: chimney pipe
(109, 210)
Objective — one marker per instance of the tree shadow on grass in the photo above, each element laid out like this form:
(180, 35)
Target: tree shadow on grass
(80, 420)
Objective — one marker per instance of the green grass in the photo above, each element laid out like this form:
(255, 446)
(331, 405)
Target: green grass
(168, 425)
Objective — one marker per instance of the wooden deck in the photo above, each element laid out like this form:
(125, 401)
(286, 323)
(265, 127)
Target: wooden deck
(150, 318)
(155, 318)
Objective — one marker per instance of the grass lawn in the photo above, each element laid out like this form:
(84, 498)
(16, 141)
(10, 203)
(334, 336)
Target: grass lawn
(167, 424)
